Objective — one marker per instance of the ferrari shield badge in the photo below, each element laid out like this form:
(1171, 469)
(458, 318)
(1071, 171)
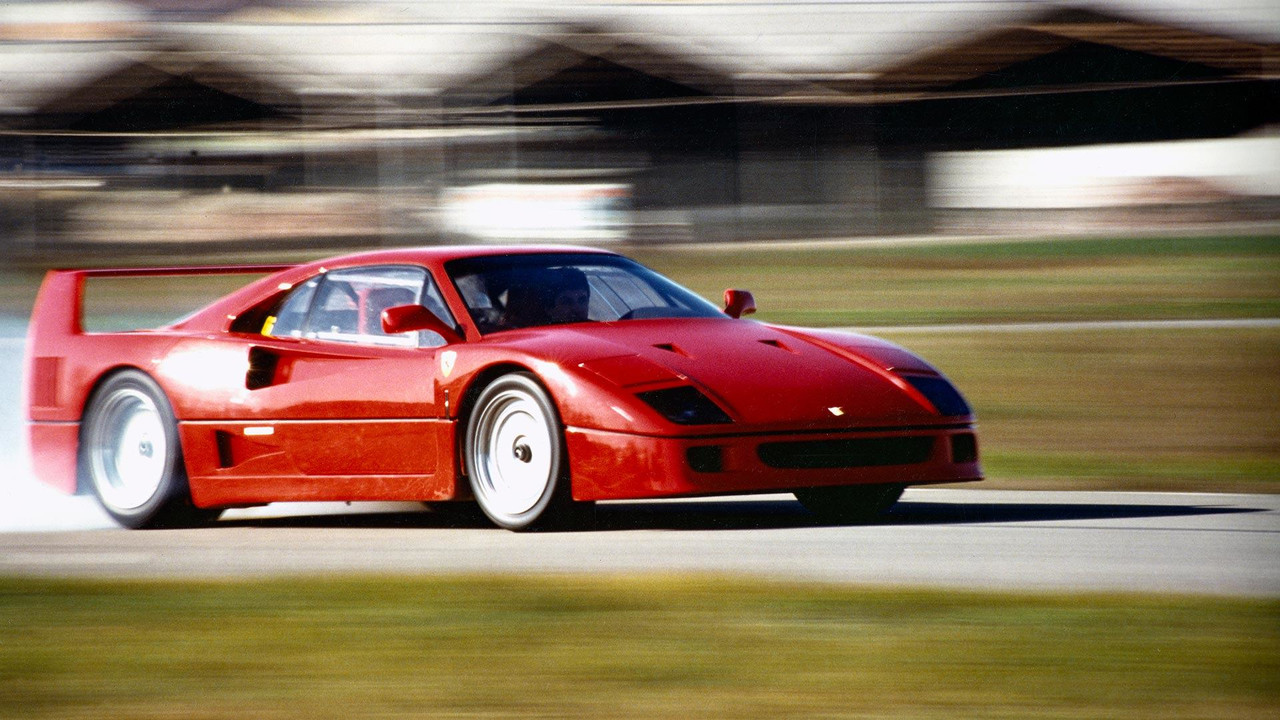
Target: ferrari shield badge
(447, 359)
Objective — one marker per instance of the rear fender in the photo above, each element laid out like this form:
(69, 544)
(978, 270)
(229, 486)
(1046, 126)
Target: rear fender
(63, 364)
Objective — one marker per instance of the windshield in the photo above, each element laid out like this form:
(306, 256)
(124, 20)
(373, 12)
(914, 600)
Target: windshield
(507, 292)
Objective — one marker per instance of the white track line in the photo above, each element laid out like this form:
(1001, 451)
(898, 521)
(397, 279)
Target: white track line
(1251, 323)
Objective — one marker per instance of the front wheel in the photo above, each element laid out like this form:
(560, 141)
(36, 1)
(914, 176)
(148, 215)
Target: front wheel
(515, 456)
(850, 503)
(131, 456)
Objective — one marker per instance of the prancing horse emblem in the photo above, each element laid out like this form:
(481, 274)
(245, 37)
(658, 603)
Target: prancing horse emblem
(447, 359)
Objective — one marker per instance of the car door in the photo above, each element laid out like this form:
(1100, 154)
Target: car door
(357, 401)
(334, 408)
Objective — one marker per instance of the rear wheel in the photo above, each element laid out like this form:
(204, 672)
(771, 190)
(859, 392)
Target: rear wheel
(515, 457)
(131, 456)
(850, 503)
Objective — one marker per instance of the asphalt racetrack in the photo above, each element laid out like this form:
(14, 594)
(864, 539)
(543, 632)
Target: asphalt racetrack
(1183, 543)
(961, 538)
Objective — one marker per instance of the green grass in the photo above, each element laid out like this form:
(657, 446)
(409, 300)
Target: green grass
(645, 647)
(914, 283)
(1033, 280)
(1120, 409)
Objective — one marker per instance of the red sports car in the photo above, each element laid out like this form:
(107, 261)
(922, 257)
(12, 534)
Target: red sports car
(530, 380)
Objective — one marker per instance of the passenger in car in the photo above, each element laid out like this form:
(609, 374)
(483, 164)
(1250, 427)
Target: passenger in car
(526, 306)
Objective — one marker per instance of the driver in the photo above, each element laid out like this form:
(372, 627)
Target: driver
(570, 296)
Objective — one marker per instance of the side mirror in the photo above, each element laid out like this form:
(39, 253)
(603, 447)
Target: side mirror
(738, 303)
(411, 318)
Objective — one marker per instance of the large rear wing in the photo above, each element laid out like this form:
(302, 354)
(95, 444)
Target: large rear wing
(59, 307)
(57, 319)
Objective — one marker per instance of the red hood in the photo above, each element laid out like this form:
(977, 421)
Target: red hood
(763, 377)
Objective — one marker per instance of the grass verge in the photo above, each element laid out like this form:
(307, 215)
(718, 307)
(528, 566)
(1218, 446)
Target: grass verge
(1120, 409)
(874, 284)
(647, 647)
(1014, 281)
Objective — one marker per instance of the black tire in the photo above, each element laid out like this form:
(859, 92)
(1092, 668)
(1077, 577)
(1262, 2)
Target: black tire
(457, 513)
(515, 457)
(131, 458)
(850, 504)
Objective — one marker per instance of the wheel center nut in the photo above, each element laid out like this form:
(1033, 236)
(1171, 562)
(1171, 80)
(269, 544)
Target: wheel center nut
(146, 449)
(522, 451)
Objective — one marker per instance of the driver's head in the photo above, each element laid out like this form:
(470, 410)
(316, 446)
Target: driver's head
(570, 296)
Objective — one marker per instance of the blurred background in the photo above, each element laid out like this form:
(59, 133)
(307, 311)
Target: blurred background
(935, 171)
(1073, 209)
(178, 126)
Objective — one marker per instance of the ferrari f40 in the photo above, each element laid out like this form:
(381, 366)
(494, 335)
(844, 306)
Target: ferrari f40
(531, 381)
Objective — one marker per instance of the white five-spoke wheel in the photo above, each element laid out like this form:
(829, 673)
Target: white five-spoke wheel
(514, 452)
(130, 454)
(129, 451)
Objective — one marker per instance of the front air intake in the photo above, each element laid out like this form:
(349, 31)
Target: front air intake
(829, 454)
(964, 449)
(706, 458)
(685, 405)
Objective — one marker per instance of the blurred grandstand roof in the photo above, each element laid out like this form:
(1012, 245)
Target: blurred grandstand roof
(52, 52)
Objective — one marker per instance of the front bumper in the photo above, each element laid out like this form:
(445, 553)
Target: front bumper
(614, 466)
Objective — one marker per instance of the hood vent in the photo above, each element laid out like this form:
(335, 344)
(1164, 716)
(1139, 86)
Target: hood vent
(778, 344)
(672, 348)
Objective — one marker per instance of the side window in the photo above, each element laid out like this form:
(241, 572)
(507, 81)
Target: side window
(434, 301)
(346, 306)
(335, 312)
(349, 303)
(479, 303)
(292, 313)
